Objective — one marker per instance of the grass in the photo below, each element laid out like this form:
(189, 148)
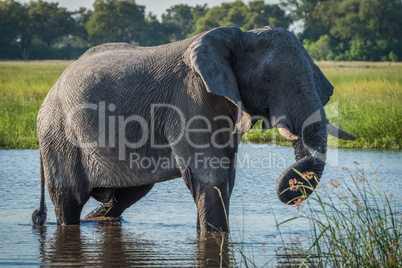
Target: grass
(352, 224)
(23, 86)
(366, 103)
(369, 97)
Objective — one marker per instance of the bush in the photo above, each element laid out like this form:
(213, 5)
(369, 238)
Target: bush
(320, 49)
(392, 56)
(358, 49)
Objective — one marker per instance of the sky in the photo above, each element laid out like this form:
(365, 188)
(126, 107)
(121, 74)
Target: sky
(155, 6)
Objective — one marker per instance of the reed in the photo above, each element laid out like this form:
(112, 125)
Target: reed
(352, 224)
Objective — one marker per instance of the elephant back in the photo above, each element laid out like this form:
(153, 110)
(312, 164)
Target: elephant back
(108, 47)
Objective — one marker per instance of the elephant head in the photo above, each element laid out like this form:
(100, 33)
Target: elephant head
(268, 74)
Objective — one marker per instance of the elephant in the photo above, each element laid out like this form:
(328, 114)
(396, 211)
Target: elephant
(123, 117)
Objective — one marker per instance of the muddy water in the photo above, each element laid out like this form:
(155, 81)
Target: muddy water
(160, 230)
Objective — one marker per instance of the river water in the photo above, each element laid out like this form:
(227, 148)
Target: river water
(160, 230)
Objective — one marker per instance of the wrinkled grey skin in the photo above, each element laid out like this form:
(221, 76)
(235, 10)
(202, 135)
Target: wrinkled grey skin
(225, 71)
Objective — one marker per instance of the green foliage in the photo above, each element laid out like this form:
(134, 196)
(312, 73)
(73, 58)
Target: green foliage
(392, 56)
(322, 49)
(352, 223)
(261, 14)
(13, 28)
(115, 21)
(154, 33)
(256, 14)
(81, 18)
(48, 22)
(358, 29)
(305, 10)
(180, 20)
(41, 30)
(332, 29)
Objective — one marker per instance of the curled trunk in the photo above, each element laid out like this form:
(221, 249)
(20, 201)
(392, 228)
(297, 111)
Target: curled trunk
(299, 180)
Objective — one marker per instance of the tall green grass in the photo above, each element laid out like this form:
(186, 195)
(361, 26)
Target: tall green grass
(366, 103)
(369, 97)
(23, 86)
(352, 224)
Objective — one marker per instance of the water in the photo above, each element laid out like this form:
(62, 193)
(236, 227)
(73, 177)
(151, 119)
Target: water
(160, 230)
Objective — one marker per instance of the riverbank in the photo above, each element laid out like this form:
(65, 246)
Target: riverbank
(367, 103)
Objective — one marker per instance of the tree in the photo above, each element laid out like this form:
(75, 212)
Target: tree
(154, 33)
(13, 27)
(180, 20)
(305, 11)
(369, 19)
(371, 27)
(235, 14)
(261, 14)
(210, 20)
(256, 14)
(354, 29)
(116, 21)
(48, 21)
(81, 17)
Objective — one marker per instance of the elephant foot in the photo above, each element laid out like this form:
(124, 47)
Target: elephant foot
(112, 221)
(103, 212)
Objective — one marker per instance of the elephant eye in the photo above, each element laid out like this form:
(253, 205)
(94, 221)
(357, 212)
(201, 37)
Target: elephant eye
(266, 78)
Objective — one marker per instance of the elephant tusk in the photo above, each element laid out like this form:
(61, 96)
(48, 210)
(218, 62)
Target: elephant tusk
(286, 133)
(338, 133)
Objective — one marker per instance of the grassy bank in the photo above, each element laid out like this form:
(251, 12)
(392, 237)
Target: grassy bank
(366, 103)
(368, 97)
(23, 86)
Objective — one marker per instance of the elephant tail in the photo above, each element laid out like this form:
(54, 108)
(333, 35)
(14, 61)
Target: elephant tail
(40, 214)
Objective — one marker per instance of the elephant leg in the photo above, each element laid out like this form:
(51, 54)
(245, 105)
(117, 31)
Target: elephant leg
(68, 206)
(119, 200)
(213, 208)
(126, 197)
(212, 205)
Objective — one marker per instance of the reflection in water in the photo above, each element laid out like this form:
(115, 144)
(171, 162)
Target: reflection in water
(213, 251)
(111, 245)
(291, 255)
(103, 245)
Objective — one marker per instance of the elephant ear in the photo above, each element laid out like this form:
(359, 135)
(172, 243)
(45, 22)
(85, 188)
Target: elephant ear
(324, 87)
(211, 56)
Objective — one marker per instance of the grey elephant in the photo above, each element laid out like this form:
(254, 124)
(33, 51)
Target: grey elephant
(122, 118)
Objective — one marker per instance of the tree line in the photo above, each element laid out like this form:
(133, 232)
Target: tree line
(368, 30)
(330, 29)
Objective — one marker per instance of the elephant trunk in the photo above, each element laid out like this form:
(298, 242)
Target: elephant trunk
(299, 180)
